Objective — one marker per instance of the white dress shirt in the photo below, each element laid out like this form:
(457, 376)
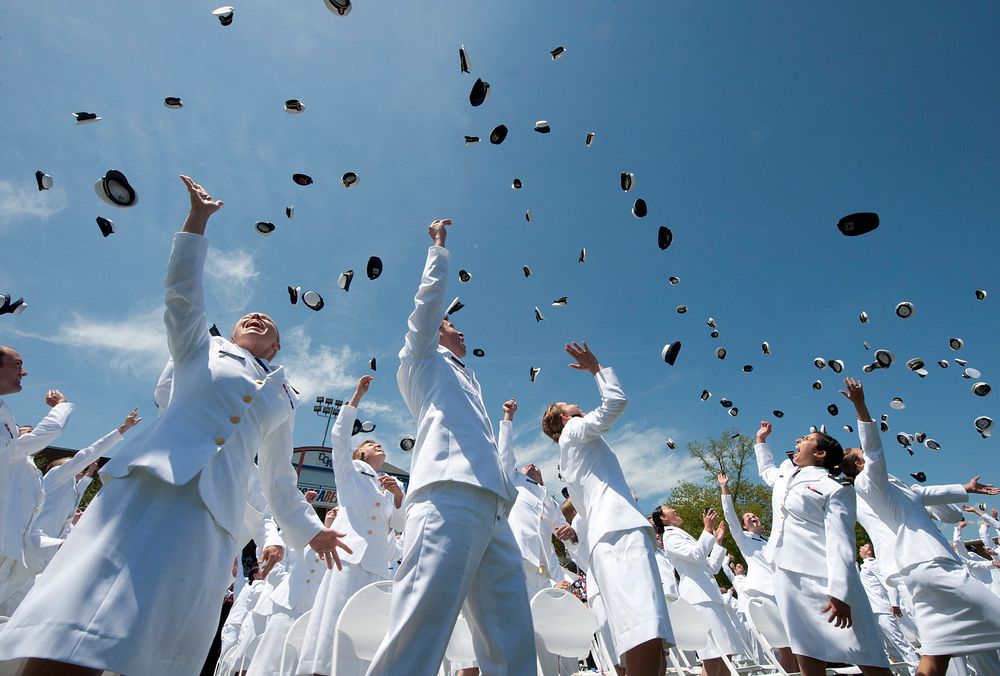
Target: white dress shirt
(455, 440)
(591, 469)
(759, 577)
(694, 560)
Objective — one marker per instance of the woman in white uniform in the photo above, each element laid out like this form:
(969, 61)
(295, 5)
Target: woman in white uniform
(369, 507)
(822, 603)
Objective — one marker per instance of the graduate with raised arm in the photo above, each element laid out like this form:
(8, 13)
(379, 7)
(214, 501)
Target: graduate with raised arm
(955, 614)
(157, 544)
(820, 598)
(622, 547)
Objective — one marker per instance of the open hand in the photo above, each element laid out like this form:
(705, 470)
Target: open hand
(200, 199)
(711, 520)
(840, 613)
(585, 359)
(269, 558)
(326, 543)
(438, 230)
(564, 532)
(764, 432)
(974, 486)
(131, 420)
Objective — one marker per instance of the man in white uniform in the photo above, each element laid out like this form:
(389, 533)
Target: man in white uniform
(884, 600)
(178, 489)
(954, 613)
(459, 552)
(622, 547)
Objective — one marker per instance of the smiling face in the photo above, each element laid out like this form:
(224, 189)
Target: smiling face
(257, 334)
(807, 453)
(866, 551)
(372, 453)
(751, 522)
(532, 472)
(11, 370)
(451, 338)
(670, 517)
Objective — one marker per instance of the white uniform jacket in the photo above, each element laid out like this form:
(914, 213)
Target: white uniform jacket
(534, 515)
(367, 511)
(24, 494)
(760, 573)
(297, 592)
(226, 407)
(667, 577)
(813, 529)
(455, 441)
(591, 469)
(880, 595)
(893, 514)
(61, 494)
(8, 437)
(693, 560)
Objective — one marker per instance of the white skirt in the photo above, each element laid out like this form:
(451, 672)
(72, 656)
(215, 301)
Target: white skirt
(267, 659)
(727, 639)
(800, 601)
(334, 591)
(136, 588)
(955, 613)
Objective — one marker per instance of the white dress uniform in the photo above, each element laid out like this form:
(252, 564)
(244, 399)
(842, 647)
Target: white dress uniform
(695, 560)
(883, 599)
(23, 548)
(458, 546)
(580, 553)
(242, 607)
(812, 547)
(954, 613)
(180, 486)
(668, 580)
(367, 515)
(759, 580)
(621, 541)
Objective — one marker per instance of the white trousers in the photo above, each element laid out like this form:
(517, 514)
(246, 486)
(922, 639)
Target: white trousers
(458, 554)
(896, 643)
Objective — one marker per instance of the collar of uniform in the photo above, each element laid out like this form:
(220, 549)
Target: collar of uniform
(450, 356)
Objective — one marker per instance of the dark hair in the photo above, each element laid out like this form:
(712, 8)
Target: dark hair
(656, 515)
(834, 451)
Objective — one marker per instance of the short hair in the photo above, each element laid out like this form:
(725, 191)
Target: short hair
(848, 464)
(358, 453)
(552, 422)
(3, 353)
(834, 452)
(656, 516)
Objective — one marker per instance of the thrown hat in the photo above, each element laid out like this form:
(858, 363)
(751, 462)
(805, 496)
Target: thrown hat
(366, 427)
(173, 102)
(919, 437)
(725, 403)
(293, 294)
(778, 413)
(372, 363)
(542, 127)
(932, 445)
(848, 429)
(714, 333)
(980, 294)
(289, 211)
(919, 477)
(960, 362)
(681, 309)
(943, 363)
(263, 228)
(533, 372)
(860, 223)
(557, 53)
(225, 14)
(313, 301)
(670, 351)
(922, 372)
(904, 310)
(832, 409)
(527, 215)
(884, 358)
(339, 7)
(302, 179)
(480, 90)
(674, 280)
(984, 424)
(590, 139)
(561, 301)
(748, 368)
(705, 395)
(498, 134)
(897, 404)
(43, 180)
(469, 140)
(349, 179)
(627, 181)
(956, 343)
(106, 225)
(407, 443)
(733, 411)
(374, 267)
(711, 322)
(981, 389)
(915, 364)
(11, 307)
(478, 352)
(818, 385)
(463, 60)
(115, 189)
(971, 373)
(836, 365)
(720, 352)
(538, 315)
(905, 440)
(213, 330)
(84, 118)
(670, 444)
(516, 185)
(454, 306)
(464, 276)
(863, 317)
(819, 363)
(526, 270)
(294, 106)
(664, 237)
(765, 347)
(639, 209)
(344, 282)
(583, 255)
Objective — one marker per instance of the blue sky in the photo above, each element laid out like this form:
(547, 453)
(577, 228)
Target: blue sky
(751, 129)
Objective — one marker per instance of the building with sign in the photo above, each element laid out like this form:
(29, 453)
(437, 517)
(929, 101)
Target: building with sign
(314, 466)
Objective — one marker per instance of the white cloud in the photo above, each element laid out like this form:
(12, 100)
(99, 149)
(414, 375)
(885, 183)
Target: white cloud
(230, 274)
(21, 202)
(650, 469)
(315, 371)
(136, 344)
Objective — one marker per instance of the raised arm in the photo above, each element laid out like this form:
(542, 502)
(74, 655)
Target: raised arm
(765, 458)
(187, 328)
(505, 439)
(68, 470)
(732, 518)
(874, 477)
(678, 546)
(425, 321)
(340, 435)
(613, 401)
(48, 428)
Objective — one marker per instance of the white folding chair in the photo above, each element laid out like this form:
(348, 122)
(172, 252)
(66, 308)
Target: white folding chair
(226, 663)
(764, 621)
(691, 633)
(563, 624)
(459, 648)
(293, 644)
(247, 656)
(363, 622)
